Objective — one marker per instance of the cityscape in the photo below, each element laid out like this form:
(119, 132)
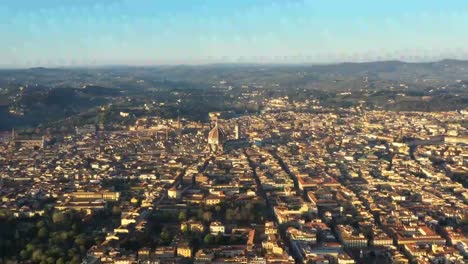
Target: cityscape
(233, 132)
(280, 186)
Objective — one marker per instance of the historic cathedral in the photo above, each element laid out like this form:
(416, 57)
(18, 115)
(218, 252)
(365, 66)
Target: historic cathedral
(216, 139)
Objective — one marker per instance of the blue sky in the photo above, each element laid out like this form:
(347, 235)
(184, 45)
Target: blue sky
(152, 32)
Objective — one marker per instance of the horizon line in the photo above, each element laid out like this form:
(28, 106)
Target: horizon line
(234, 63)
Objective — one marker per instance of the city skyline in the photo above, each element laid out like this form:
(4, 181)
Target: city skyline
(85, 33)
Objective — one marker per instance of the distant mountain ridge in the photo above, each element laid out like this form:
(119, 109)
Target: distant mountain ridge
(439, 72)
(35, 95)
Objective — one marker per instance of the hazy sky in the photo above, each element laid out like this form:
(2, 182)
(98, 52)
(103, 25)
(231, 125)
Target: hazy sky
(144, 32)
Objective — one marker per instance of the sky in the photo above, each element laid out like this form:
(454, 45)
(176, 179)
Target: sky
(48, 33)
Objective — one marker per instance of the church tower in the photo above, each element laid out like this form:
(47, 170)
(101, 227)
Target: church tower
(237, 131)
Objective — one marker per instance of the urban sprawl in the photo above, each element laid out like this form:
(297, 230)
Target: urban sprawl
(280, 186)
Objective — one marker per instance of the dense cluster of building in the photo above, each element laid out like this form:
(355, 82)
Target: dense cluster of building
(282, 186)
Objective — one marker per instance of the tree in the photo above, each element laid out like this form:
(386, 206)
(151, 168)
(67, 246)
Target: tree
(76, 227)
(219, 239)
(30, 247)
(229, 215)
(37, 255)
(199, 214)
(72, 252)
(40, 224)
(4, 213)
(249, 206)
(182, 216)
(209, 239)
(207, 216)
(165, 235)
(43, 232)
(24, 254)
(80, 240)
(116, 210)
(55, 250)
(58, 217)
(63, 235)
(76, 259)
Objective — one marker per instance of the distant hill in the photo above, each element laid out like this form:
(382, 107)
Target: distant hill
(445, 70)
(37, 95)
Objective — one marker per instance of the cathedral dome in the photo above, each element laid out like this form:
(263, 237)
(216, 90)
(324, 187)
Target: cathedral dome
(216, 136)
